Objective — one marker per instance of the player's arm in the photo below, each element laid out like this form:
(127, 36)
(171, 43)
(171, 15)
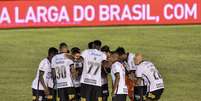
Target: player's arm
(41, 80)
(116, 82)
(53, 75)
(53, 71)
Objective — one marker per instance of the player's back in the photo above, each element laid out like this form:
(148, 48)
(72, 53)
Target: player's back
(62, 68)
(118, 67)
(92, 66)
(151, 76)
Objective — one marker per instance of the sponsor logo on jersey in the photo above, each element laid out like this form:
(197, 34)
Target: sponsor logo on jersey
(86, 80)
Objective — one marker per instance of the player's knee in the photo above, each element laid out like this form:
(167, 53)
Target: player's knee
(83, 99)
(33, 98)
(49, 97)
(71, 97)
(58, 98)
(104, 98)
(100, 99)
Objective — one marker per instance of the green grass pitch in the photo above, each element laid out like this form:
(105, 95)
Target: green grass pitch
(175, 50)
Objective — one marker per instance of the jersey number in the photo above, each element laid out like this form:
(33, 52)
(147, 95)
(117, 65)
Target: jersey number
(61, 72)
(157, 75)
(92, 65)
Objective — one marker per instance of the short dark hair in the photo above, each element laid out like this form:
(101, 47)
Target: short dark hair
(90, 45)
(52, 50)
(63, 45)
(105, 48)
(120, 51)
(97, 44)
(75, 50)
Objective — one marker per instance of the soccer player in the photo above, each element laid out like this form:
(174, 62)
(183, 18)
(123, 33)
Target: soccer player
(147, 73)
(128, 61)
(62, 75)
(104, 73)
(77, 70)
(118, 73)
(91, 75)
(40, 83)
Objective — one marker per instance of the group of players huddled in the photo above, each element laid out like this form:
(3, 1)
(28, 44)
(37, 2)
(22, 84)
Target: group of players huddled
(83, 76)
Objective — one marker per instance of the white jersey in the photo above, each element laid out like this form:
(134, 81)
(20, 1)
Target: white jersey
(150, 75)
(62, 64)
(117, 67)
(92, 66)
(45, 67)
(130, 62)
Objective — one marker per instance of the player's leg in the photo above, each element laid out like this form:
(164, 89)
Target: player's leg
(38, 95)
(78, 96)
(85, 92)
(119, 97)
(71, 93)
(52, 95)
(140, 93)
(105, 92)
(154, 95)
(62, 94)
(96, 94)
(34, 95)
(123, 97)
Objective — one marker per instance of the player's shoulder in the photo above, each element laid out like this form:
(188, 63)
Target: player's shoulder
(56, 56)
(86, 51)
(147, 63)
(60, 55)
(100, 52)
(69, 59)
(44, 61)
(116, 64)
(96, 52)
(116, 67)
